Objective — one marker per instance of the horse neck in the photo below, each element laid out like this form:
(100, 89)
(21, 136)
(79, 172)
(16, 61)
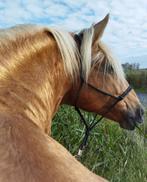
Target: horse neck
(37, 86)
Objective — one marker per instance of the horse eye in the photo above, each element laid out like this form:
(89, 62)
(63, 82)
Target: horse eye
(110, 69)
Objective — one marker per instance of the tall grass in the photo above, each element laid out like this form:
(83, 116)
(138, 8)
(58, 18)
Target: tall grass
(112, 152)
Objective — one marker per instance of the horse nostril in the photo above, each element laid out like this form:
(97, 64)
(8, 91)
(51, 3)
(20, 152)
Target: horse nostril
(139, 114)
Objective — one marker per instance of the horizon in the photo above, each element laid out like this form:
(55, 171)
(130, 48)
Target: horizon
(136, 59)
(126, 33)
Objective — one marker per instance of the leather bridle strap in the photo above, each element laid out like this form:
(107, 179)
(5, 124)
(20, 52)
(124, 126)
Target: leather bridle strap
(120, 97)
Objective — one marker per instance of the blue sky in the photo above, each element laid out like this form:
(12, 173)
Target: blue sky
(126, 33)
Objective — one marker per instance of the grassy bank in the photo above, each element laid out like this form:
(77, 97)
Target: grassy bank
(138, 79)
(112, 152)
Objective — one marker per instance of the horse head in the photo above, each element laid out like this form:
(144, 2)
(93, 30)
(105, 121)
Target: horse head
(102, 87)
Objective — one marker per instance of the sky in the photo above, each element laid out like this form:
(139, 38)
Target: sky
(126, 33)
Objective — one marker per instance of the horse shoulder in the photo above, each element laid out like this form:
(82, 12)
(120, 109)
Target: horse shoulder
(27, 154)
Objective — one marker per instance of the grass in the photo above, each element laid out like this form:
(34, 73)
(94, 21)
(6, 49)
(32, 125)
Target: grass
(116, 154)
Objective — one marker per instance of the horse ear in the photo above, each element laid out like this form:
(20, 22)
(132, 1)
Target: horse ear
(99, 28)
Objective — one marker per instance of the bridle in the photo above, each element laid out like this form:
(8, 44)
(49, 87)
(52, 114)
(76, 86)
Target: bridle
(89, 127)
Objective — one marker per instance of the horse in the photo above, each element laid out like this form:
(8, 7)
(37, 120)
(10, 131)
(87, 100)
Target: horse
(40, 69)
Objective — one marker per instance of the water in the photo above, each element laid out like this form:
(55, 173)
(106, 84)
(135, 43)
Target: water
(143, 98)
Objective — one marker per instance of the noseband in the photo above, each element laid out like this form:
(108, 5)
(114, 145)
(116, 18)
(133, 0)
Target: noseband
(89, 127)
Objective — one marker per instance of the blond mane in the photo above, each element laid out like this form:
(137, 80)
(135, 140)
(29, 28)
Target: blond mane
(67, 46)
(65, 42)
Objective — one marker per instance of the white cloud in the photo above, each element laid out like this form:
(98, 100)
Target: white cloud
(126, 32)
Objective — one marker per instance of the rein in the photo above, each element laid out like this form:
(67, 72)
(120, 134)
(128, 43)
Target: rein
(89, 128)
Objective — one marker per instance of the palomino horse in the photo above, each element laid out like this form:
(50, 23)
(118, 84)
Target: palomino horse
(41, 68)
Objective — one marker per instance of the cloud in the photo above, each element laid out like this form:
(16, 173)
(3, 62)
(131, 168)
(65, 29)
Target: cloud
(126, 33)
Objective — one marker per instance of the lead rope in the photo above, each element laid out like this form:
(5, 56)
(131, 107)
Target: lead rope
(87, 131)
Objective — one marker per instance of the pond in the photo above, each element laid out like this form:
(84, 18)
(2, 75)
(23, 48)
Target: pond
(143, 98)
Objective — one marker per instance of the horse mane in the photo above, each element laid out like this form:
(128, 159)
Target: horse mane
(67, 46)
(104, 54)
(15, 35)
(69, 51)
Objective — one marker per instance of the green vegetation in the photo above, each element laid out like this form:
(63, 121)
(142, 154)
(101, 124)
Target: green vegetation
(116, 154)
(136, 77)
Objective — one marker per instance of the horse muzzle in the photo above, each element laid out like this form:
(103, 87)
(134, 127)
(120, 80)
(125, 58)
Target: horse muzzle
(133, 119)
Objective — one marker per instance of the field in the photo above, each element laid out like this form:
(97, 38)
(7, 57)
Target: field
(116, 154)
